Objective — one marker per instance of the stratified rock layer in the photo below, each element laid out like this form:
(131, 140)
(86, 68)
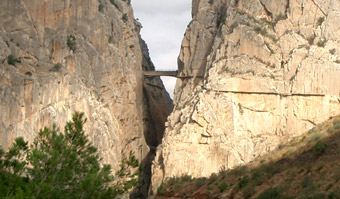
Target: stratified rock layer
(262, 72)
(62, 56)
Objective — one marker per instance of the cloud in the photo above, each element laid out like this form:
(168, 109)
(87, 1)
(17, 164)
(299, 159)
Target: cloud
(164, 24)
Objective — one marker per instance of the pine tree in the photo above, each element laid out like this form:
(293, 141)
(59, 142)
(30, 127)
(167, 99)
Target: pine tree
(64, 166)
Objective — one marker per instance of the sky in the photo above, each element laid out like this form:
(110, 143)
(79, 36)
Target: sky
(164, 24)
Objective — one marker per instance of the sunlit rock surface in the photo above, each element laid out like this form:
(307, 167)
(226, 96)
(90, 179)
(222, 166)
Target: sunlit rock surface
(254, 75)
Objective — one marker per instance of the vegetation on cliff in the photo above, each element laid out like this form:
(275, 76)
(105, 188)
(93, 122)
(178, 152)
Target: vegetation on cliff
(62, 165)
(307, 167)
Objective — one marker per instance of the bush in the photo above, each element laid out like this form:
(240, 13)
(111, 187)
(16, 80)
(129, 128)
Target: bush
(71, 42)
(271, 193)
(239, 171)
(319, 148)
(322, 43)
(264, 172)
(11, 60)
(200, 182)
(100, 7)
(213, 177)
(223, 186)
(334, 195)
(251, 71)
(312, 130)
(242, 182)
(311, 39)
(56, 67)
(114, 3)
(332, 51)
(125, 17)
(314, 196)
(307, 182)
(186, 178)
(248, 192)
(160, 190)
(320, 21)
(60, 165)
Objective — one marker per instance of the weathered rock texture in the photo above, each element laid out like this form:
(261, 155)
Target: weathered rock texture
(61, 56)
(263, 72)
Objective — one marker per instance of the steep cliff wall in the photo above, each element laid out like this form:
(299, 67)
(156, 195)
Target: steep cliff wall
(262, 72)
(61, 56)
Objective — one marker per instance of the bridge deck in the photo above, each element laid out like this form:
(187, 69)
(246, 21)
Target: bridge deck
(169, 73)
(160, 73)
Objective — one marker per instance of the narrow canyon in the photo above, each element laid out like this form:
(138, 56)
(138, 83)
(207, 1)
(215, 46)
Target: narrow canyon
(251, 75)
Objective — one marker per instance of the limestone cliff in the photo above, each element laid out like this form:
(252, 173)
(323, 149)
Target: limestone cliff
(61, 56)
(253, 74)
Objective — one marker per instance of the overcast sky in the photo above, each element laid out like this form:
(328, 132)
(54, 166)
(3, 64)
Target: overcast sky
(164, 23)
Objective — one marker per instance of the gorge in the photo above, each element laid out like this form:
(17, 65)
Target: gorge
(260, 73)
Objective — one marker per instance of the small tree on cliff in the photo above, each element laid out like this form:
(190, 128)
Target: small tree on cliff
(60, 165)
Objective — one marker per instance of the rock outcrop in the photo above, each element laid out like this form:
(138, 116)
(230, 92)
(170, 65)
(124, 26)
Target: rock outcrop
(255, 74)
(61, 56)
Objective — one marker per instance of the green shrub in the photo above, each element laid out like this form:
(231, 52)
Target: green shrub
(71, 42)
(223, 186)
(11, 60)
(160, 190)
(251, 71)
(320, 21)
(281, 17)
(242, 182)
(334, 195)
(314, 196)
(332, 51)
(100, 7)
(311, 39)
(315, 138)
(319, 148)
(322, 43)
(186, 178)
(264, 172)
(113, 2)
(213, 177)
(200, 182)
(56, 67)
(125, 17)
(313, 130)
(307, 183)
(172, 181)
(239, 171)
(248, 191)
(271, 193)
(128, 1)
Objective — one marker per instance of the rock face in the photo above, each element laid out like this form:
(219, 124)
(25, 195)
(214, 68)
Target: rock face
(61, 56)
(255, 74)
